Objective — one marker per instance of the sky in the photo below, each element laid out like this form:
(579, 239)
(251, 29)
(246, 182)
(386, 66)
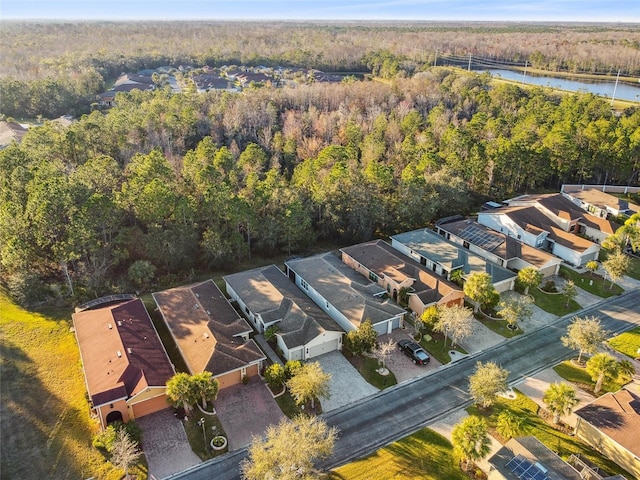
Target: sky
(480, 10)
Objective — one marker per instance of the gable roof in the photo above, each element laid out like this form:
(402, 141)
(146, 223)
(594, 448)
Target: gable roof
(267, 291)
(207, 329)
(385, 261)
(357, 298)
(532, 220)
(532, 451)
(121, 351)
(10, 132)
(617, 415)
(499, 244)
(436, 248)
(600, 199)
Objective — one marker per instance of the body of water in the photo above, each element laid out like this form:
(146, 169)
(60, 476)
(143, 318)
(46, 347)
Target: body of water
(601, 88)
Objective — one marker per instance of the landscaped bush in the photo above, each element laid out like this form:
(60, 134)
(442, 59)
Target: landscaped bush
(291, 367)
(275, 375)
(103, 441)
(550, 287)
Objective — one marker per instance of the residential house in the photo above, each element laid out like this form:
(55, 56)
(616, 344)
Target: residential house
(143, 82)
(611, 425)
(269, 298)
(206, 82)
(532, 227)
(11, 132)
(209, 333)
(381, 263)
(443, 257)
(344, 294)
(564, 214)
(125, 364)
(528, 458)
(598, 202)
(496, 247)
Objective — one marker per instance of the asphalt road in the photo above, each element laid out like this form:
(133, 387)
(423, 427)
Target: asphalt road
(401, 410)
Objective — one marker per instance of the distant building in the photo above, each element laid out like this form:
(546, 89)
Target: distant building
(11, 132)
(598, 202)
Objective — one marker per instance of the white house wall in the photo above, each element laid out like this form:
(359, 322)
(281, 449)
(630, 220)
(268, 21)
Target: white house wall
(504, 224)
(255, 320)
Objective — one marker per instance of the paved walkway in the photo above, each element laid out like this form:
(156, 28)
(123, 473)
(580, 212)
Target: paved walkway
(165, 444)
(346, 385)
(245, 411)
(266, 348)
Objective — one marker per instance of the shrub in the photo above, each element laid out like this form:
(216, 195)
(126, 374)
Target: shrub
(291, 368)
(245, 379)
(275, 375)
(550, 287)
(103, 441)
(270, 333)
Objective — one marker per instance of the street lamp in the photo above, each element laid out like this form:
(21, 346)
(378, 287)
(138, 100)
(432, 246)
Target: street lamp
(201, 423)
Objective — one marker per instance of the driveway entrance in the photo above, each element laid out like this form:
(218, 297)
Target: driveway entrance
(246, 411)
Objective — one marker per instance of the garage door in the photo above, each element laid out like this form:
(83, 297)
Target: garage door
(381, 327)
(324, 348)
(150, 406)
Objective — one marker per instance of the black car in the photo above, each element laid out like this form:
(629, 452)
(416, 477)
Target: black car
(414, 351)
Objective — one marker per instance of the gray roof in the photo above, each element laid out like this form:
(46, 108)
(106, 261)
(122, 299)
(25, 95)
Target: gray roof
(356, 297)
(268, 292)
(436, 248)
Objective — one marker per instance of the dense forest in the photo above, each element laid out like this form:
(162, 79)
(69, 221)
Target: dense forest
(164, 185)
(56, 68)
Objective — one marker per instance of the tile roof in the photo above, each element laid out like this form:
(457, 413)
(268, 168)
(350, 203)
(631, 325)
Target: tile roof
(617, 415)
(503, 246)
(207, 329)
(381, 258)
(121, 351)
(533, 220)
(349, 292)
(267, 291)
(436, 248)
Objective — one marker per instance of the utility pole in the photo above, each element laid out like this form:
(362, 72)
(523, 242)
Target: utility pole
(613, 97)
(469, 67)
(524, 75)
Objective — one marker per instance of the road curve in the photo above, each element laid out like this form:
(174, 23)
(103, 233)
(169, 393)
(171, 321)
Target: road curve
(403, 409)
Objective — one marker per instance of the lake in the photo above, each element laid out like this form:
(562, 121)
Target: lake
(602, 88)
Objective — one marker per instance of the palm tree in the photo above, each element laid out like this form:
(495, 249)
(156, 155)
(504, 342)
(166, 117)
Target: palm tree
(205, 386)
(470, 440)
(509, 424)
(602, 367)
(627, 370)
(181, 391)
(560, 398)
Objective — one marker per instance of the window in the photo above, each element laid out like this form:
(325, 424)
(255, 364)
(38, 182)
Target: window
(572, 227)
(465, 244)
(326, 303)
(304, 284)
(373, 277)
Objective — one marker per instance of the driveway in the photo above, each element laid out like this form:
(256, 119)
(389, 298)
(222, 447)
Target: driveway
(246, 411)
(401, 365)
(539, 317)
(535, 386)
(346, 385)
(481, 338)
(165, 444)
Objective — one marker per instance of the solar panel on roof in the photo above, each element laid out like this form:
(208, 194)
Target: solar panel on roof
(525, 469)
(480, 237)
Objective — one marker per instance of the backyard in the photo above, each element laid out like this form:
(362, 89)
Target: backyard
(46, 428)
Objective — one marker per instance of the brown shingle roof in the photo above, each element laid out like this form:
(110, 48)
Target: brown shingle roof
(207, 329)
(601, 199)
(121, 351)
(617, 415)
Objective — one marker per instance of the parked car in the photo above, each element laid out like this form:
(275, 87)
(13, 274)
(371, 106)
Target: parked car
(414, 351)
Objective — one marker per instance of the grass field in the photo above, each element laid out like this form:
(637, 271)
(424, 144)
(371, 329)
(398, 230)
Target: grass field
(46, 428)
(556, 440)
(627, 343)
(437, 349)
(553, 303)
(425, 455)
(582, 379)
(591, 282)
(368, 368)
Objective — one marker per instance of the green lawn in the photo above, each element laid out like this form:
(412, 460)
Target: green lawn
(197, 437)
(46, 428)
(591, 282)
(367, 367)
(433, 342)
(627, 343)
(553, 303)
(561, 443)
(634, 264)
(582, 379)
(497, 326)
(425, 455)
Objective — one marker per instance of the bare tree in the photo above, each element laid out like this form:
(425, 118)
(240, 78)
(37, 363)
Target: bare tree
(382, 351)
(454, 322)
(124, 451)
